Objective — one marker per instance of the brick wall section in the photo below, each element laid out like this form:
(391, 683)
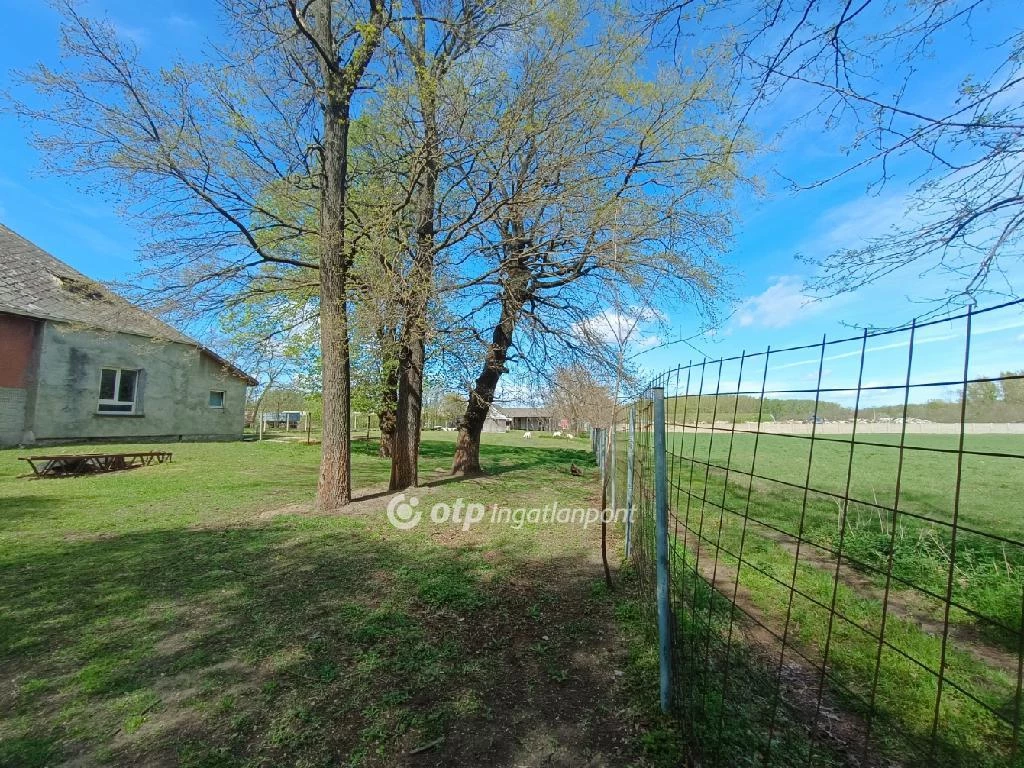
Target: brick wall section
(17, 340)
(17, 345)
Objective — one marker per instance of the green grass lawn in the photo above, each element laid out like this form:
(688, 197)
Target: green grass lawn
(198, 614)
(982, 652)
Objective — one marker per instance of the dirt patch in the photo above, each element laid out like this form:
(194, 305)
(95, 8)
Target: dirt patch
(368, 501)
(74, 538)
(289, 509)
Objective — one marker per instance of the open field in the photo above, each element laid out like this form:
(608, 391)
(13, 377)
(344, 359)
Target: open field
(198, 614)
(790, 543)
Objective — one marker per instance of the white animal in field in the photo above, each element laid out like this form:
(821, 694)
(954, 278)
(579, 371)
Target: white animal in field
(569, 435)
(527, 435)
(556, 434)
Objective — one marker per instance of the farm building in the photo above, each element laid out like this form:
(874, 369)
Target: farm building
(283, 419)
(496, 421)
(530, 419)
(80, 363)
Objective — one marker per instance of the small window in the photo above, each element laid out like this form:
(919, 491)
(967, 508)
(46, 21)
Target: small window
(216, 398)
(118, 391)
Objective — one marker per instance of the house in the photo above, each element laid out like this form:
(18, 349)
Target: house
(530, 419)
(496, 421)
(80, 363)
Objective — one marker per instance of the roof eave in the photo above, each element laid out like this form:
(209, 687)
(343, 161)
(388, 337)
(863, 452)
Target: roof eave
(229, 366)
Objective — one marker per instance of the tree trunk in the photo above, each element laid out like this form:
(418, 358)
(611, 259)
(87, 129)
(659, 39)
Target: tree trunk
(387, 415)
(387, 434)
(467, 447)
(387, 419)
(334, 488)
(335, 485)
(514, 295)
(340, 81)
(405, 459)
(412, 353)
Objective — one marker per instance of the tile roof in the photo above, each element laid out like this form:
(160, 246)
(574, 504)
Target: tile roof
(527, 412)
(35, 284)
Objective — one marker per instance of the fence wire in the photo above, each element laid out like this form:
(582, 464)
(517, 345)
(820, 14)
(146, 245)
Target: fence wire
(846, 545)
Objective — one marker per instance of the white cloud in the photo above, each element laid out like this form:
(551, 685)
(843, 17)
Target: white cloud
(852, 224)
(933, 335)
(137, 35)
(180, 20)
(647, 342)
(780, 305)
(610, 327)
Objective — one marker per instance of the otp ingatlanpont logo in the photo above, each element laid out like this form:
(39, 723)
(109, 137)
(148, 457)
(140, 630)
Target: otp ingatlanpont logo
(403, 514)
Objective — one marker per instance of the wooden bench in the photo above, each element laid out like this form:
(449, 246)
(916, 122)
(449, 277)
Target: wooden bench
(90, 463)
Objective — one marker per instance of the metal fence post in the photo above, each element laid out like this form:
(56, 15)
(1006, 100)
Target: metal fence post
(603, 448)
(629, 480)
(611, 471)
(661, 542)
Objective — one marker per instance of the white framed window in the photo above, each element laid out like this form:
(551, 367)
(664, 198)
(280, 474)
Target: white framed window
(216, 398)
(119, 389)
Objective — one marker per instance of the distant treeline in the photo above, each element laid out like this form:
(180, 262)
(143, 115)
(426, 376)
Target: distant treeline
(692, 408)
(991, 400)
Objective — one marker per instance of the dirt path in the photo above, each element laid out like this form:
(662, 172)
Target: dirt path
(799, 677)
(559, 698)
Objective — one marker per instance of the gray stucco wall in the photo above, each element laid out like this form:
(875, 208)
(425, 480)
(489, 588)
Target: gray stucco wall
(12, 415)
(173, 398)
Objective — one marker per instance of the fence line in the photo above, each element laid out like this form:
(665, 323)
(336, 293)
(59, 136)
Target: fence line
(834, 592)
(869, 428)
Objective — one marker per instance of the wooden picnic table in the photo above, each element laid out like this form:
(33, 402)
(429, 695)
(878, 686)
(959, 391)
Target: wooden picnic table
(67, 465)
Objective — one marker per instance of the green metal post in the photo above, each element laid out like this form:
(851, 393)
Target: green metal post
(661, 542)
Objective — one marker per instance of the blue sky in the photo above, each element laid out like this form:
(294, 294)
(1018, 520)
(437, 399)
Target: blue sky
(78, 226)
(82, 228)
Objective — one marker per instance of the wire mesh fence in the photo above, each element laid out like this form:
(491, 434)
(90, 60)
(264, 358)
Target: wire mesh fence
(842, 545)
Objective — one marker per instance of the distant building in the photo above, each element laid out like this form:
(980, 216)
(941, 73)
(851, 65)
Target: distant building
(80, 363)
(530, 419)
(496, 421)
(283, 419)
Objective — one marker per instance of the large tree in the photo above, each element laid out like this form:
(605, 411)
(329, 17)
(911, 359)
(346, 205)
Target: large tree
(424, 152)
(1012, 385)
(611, 177)
(200, 150)
(342, 52)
